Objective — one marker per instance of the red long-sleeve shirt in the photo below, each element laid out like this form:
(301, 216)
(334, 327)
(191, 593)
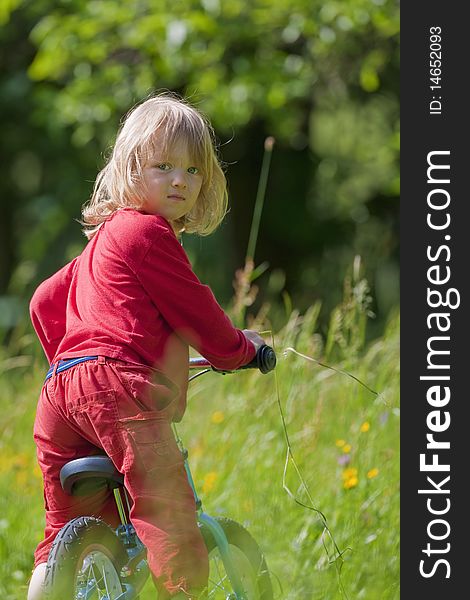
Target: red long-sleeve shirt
(132, 295)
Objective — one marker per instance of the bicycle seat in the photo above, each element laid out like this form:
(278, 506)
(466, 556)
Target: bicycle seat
(84, 476)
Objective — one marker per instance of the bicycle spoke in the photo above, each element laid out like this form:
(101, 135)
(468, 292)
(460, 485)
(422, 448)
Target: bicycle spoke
(218, 586)
(96, 579)
(222, 577)
(90, 575)
(217, 583)
(105, 582)
(92, 579)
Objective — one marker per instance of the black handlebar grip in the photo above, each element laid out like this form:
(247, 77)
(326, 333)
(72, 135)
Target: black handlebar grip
(264, 360)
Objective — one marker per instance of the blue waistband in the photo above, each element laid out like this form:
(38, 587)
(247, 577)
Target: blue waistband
(63, 365)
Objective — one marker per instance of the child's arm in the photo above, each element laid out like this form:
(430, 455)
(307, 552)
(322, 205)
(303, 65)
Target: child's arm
(47, 309)
(190, 307)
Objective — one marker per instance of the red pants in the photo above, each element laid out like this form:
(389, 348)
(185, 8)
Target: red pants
(125, 410)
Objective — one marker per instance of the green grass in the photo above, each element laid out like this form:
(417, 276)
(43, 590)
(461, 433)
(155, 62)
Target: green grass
(237, 447)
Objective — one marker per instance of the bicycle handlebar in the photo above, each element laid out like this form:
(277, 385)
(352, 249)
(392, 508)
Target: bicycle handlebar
(264, 360)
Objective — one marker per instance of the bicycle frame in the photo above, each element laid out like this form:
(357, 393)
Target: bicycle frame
(137, 553)
(205, 519)
(217, 532)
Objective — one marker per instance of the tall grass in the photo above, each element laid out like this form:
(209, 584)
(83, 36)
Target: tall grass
(344, 439)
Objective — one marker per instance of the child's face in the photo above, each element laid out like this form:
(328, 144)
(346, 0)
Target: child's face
(172, 182)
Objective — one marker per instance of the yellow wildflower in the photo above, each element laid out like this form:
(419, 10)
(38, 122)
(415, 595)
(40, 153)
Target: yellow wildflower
(372, 473)
(340, 443)
(365, 426)
(349, 473)
(350, 483)
(209, 481)
(347, 448)
(217, 417)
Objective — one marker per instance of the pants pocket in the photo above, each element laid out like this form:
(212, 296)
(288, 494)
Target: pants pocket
(151, 442)
(150, 389)
(97, 417)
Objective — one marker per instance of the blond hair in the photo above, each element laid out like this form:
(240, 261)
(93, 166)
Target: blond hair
(166, 118)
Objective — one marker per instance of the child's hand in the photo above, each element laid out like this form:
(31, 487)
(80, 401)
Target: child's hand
(254, 338)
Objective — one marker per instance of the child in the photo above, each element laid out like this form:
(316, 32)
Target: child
(126, 310)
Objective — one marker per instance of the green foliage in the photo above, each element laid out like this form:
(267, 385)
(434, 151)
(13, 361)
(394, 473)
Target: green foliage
(322, 77)
(347, 330)
(263, 58)
(358, 143)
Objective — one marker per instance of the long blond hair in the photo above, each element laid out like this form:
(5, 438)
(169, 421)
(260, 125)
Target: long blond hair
(167, 118)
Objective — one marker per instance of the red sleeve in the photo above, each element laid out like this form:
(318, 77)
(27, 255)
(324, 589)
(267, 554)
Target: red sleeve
(189, 307)
(47, 309)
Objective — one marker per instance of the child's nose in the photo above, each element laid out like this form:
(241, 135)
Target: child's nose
(179, 179)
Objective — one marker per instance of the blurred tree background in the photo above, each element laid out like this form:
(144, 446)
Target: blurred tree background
(321, 77)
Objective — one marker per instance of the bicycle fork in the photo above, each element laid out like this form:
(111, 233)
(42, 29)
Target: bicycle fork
(216, 530)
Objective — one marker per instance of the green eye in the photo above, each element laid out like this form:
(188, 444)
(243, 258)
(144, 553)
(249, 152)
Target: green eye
(193, 170)
(163, 167)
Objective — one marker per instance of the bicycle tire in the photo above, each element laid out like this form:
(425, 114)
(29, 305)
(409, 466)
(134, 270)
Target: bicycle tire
(248, 558)
(86, 551)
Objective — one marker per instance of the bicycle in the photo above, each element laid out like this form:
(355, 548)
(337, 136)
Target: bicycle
(91, 561)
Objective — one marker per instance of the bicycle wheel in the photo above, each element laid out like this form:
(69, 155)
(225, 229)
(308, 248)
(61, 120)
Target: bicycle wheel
(85, 562)
(248, 559)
